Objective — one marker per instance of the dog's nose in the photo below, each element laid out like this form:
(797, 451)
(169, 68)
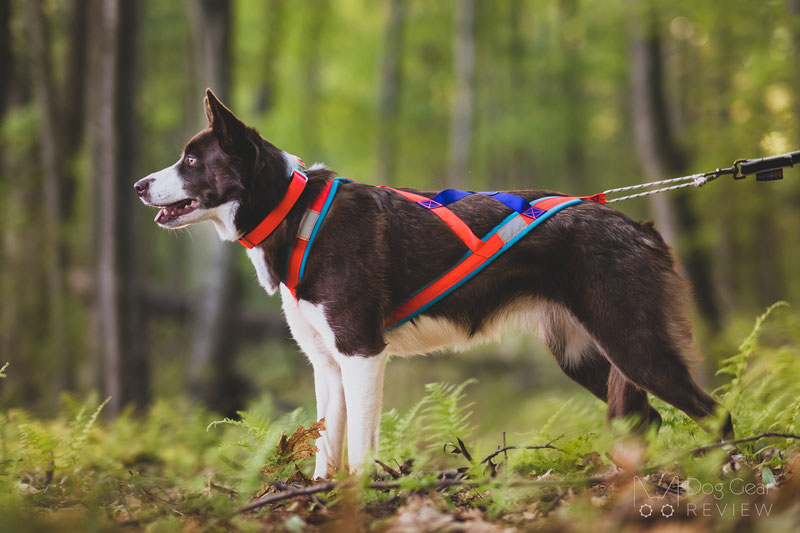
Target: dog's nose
(142, 185)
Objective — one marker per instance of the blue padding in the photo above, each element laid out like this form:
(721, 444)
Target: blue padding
(517, 203)
(480, 267)
(448, 196)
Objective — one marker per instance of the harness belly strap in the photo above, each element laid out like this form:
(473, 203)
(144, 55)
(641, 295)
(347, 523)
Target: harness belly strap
(481, 252)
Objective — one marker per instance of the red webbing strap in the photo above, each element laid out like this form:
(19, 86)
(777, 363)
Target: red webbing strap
(276, 216)
(600, 198)
(458, 226)
(472, 262)
(435, 289)
(303, 234)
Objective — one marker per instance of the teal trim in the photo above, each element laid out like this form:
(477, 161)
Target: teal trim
(466, 278)
(324, 211)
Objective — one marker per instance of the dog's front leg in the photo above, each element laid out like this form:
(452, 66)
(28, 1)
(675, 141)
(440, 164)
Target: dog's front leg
(327, 386)
(331, 407)
(363, 392)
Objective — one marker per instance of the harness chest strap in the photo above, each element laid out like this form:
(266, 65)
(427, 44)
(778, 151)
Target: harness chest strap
(308, 226)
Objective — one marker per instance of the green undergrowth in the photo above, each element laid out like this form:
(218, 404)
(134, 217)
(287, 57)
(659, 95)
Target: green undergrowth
(178, 467)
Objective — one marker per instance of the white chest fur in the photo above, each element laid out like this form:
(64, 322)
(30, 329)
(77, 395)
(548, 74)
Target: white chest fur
(259, 261)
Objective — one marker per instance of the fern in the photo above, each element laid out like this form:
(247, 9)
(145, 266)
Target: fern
(77, 445)
(736, 365)
(444, 415)
(399, 434)
(36, 442)
(255, 426)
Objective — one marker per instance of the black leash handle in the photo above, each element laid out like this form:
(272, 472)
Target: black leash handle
(767, 168)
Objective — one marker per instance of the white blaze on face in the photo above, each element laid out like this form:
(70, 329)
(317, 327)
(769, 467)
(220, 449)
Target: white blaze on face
(167, 186)
(166, 190)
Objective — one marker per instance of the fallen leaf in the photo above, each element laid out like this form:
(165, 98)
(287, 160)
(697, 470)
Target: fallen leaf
(591, 462)
(297, 447)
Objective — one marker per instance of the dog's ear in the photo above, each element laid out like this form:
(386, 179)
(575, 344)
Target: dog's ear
(231, 133)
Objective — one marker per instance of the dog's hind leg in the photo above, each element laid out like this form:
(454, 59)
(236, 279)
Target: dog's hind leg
(626, 399)
(580, 358)
(363, 390)
(650, 353)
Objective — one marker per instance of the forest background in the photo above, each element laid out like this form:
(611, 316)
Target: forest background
(568, 95)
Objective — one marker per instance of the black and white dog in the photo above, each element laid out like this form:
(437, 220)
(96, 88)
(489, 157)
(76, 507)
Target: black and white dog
(601, 289)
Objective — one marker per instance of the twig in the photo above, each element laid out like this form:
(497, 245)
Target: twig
(388, 485)
(291, 493)
(223, 488)
(722, 443)
(504, 449)
(555, 503)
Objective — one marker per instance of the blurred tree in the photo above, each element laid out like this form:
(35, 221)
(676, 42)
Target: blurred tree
(570, 81)
(315, 22)
(464, 94)
(119, 323)
(212, 374)
(53, 182)
(6, 55)
(659, 152)
(273, 44)
(390, 85)
(60, 100)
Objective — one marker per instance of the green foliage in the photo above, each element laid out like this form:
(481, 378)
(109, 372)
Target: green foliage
(170, 467)
(737, 364)
(438, 417)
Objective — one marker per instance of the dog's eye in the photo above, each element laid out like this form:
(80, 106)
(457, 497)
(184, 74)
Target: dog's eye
(190, 160)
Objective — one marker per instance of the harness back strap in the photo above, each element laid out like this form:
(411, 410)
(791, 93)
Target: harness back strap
(458, 226)
(497, 241)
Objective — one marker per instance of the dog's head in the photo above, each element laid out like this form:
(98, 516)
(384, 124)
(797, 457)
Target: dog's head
(227, 174)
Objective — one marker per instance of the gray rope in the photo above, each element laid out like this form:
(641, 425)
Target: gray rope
(695, 180)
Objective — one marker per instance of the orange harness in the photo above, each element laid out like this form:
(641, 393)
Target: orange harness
(481, 251)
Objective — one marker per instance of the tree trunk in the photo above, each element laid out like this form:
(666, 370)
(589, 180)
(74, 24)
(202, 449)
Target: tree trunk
(794, 12)
(570, 80)
(464, 94)
(275, 38)
(659, 153)
(135, 364)
(212, 378)
(6, 55)
(314, 24)
(390, 86)
(113, 146)
(44, 92)
(73, 97)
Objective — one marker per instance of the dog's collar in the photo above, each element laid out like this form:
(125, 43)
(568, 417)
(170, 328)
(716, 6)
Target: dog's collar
(276, 216)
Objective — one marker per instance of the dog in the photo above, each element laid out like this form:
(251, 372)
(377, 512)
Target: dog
(602, 290)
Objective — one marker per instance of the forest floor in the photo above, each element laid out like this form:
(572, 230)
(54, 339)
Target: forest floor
(176, 469)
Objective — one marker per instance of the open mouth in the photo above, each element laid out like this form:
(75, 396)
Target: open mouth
(174, 211)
